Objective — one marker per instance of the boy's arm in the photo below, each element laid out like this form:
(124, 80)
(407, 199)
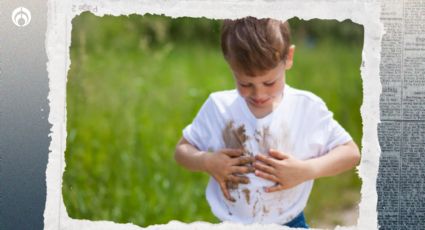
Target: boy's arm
(223, 165)
(189, 156)
(287, 171)
(338, 160)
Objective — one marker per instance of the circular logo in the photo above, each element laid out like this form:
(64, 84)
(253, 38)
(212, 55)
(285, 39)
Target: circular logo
(21, 16)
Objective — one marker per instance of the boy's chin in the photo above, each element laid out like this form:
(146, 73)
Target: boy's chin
(260, 111)
(261, 107)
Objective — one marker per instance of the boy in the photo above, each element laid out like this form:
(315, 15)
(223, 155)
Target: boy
(263, 143)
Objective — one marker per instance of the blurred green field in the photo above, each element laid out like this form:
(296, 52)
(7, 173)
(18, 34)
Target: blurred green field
(129, 98)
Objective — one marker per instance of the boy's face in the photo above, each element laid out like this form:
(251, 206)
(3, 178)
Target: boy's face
(263, 92)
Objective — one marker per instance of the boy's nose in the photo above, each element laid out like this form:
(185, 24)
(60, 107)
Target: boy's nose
(258, 95)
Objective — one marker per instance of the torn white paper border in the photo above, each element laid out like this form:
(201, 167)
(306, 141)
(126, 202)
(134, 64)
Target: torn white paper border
(58, 41)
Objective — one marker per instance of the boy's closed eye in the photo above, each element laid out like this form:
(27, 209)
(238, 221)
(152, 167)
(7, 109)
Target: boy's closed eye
(245, 85)
(269, 83)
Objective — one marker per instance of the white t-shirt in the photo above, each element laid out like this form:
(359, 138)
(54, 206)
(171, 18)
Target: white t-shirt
(300, 125)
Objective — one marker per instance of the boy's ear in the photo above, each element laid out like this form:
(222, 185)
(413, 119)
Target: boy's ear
(290, 57)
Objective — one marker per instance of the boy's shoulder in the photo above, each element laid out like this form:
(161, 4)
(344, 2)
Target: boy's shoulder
(224, 97)
(224, 100)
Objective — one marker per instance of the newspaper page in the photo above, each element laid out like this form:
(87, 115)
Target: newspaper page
(401, 178)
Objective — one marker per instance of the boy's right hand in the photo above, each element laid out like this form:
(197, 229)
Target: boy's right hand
(225, 166)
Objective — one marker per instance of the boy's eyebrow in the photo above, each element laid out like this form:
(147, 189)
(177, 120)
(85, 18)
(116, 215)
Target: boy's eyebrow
(278, 75)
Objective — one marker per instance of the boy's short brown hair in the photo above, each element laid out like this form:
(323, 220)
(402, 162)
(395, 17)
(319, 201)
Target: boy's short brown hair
(254, 45)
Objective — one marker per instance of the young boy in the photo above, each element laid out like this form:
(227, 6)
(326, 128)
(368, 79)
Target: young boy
(263, 143)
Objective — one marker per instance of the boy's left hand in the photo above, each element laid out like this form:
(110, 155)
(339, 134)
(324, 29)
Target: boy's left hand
(282, 168)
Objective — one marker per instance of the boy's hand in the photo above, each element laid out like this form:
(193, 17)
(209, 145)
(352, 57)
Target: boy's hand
(225, 165)
(282, 168)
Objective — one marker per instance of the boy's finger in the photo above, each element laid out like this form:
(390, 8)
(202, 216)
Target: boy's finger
(263, 167)
(278, 155)
(243, 160)
(231, 184)
(225, 191)
(266, 176)
(266, 159)
(232, 152)
(274, 188)
(242, 169)
(239, 179)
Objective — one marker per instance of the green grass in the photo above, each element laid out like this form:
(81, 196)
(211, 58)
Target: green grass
(126, 109)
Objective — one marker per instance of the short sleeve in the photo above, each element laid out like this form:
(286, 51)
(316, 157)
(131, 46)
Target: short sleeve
(326, 132)
(204, 130)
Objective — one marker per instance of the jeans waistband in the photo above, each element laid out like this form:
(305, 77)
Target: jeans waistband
(298, 221)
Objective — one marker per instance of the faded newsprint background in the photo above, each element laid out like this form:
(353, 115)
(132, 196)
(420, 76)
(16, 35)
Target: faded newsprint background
(401, 199)
(401, 179)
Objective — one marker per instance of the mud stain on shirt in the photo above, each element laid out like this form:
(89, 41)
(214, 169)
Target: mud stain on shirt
(267, 137)
(279, 139)
(254, 213)
(247, 195)
(234, 137)
(265, 140)
(265, 209)
(228, 209)
(280, 211)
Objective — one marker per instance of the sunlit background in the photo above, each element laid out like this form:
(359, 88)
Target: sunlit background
(134, 84)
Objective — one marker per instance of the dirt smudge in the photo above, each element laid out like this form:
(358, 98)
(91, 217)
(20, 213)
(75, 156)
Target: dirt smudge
(235, 138)
(280, 211)
(253, 208)
(265, 209)
(246, 193)
(285, 142)
(291, 217)
(228, 209)
(231, 185)
(274, 136)
(265, 140)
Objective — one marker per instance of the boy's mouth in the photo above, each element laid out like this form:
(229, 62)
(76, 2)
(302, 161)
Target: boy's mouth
(259, 102)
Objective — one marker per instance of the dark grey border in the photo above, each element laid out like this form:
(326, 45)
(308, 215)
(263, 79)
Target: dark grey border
(24, 129)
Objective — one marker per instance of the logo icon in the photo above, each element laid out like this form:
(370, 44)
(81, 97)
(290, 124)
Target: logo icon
(21, 16)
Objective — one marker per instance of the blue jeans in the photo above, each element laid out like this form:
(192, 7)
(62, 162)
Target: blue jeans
(298, 222)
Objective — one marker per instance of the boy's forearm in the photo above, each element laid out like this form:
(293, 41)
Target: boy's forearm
(338, 160)
(190, 157)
